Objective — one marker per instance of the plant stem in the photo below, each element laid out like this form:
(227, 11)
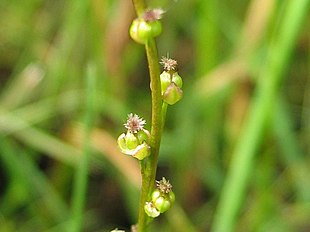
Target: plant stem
(152, 57)
(149, 170)
(149, 166)
(139, 6)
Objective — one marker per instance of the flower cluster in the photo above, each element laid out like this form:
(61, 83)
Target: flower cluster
(147, 26)
(171, 82)
(135, 141)
(162, 199)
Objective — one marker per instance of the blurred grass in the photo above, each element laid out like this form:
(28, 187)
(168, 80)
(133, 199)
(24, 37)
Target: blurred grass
(81, 176)
(261, 108)
(223, 49)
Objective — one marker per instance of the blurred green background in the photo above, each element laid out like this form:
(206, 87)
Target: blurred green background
(236, 148)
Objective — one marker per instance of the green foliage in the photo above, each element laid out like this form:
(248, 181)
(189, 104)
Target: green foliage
(235, 148)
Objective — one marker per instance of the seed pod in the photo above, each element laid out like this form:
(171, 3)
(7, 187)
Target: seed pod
(131, 140)
(129, 145)
(162, 204)
(121, 141)
(142, 151)
(141, 31)
(155, 194)
(172, 94)
(156, 28)
(177, 79)
(165, 81)
(143, 136)
(171, 197)
(162, 201)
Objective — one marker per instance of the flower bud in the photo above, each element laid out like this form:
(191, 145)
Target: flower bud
(171, 83)
(162, 204)
(151, 210)
(143, 136)
(129, 145)
(142, 151)
(177, 79)
(135, 141)
(156, 28)
(171, 197)
(172, 94)
(131, 140)
(141, 30)
(121, 141)
(155, 194)
(166, 78)
(161, 201)
(162, 196)
(165, 81)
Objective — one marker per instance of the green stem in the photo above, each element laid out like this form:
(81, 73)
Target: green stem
(156, 131)
(149, 166)
(152, 57)
(149, 170)
(139, 6)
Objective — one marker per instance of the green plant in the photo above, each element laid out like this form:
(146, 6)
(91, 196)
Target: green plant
(71, 74)
(137, 141)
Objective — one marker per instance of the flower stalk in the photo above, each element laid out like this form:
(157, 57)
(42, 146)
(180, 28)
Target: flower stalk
(139, 6)
(148, 170)
(143, 30)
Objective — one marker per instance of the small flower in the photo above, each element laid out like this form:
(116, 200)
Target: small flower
(164, 185)
(168, 64)
(134, 123)
(147, 26)
(142, 31)
(153, 14)
(171, 82)
(163, 196)
(130, 145)
(135, 141)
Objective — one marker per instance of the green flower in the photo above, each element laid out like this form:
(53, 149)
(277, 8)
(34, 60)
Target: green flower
(162, 196)
(147, 27)
(171, 82)
(135, 141)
